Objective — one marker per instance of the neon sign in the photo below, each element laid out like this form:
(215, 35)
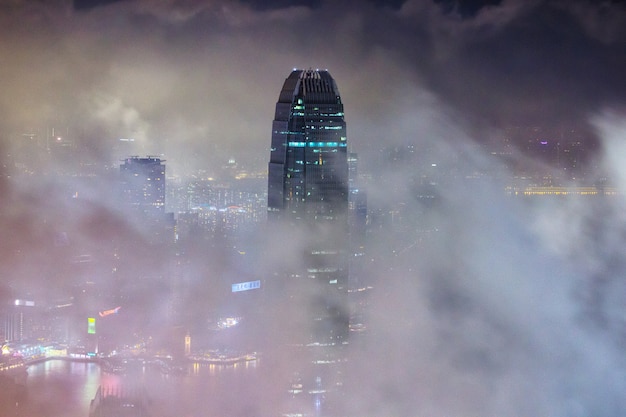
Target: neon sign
(109, 312)
(91, 325)
(245, 286)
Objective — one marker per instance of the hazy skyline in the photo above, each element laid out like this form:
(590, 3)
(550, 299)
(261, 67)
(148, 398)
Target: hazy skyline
(195, 80)
(506, 307)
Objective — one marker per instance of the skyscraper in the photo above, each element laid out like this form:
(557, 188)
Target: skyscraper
(143, 184)
(308, 169)
(308, 204)
(308, 191)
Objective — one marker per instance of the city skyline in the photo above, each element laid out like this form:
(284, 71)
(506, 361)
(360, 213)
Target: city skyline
(481, 69)
(479, 302)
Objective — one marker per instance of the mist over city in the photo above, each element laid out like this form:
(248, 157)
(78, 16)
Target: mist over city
(459, 253)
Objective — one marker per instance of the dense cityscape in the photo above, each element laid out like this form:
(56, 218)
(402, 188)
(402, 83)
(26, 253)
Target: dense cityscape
(416, 234)
(154, 295)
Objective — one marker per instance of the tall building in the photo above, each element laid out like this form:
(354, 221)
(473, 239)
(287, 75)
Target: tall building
(18, 318)
(143, 184)
(308, 213)
(308, 169)
(308, 189)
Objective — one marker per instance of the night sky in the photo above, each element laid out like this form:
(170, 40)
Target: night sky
(190, 78)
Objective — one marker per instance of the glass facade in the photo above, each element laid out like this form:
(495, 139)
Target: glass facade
(308, 192)
(308, 169)
(308, 204)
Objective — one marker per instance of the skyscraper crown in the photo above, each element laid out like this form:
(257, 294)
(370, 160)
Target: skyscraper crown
(312, 85)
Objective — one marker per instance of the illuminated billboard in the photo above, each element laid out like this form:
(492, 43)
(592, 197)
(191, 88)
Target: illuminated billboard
(245, 286)
(109, 312)
(91, 325)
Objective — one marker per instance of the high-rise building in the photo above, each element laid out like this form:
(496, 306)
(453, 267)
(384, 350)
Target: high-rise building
(308, 169)
(143, 184)
(18, 317)
(308, 213)
(308, 191)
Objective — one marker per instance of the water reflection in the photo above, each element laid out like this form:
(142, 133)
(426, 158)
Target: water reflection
(60, 388)
(198, 368)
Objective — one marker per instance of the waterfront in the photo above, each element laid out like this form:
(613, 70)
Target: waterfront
(59, 388)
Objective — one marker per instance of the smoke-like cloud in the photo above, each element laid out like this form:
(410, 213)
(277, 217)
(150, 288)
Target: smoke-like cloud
(483, 303)
(213, 66)
(513, 306)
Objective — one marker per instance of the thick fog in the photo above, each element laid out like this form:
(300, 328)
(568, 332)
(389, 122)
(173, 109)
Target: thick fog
(482, 303)
(511, 307)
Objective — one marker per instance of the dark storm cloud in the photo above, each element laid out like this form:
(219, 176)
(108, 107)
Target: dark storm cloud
(519, 62)
(465, 8)
(90, 4)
